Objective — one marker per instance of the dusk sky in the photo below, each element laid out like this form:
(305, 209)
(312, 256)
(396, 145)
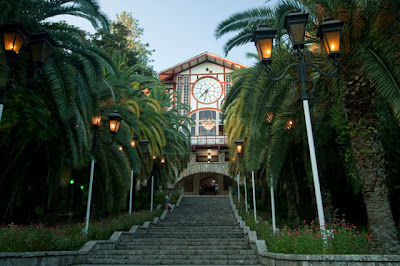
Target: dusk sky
(180, 29)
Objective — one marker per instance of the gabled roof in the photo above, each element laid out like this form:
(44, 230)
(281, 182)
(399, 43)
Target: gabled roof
(167, 75)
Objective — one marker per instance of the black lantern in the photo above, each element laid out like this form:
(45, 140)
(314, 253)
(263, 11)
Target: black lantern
(133, 142)
(96, 120)
(263, 38)
(295, 24)
(239, 146)
(330, 33)
(115, 121)
(42, 45)
(144, 145)
(14, 35)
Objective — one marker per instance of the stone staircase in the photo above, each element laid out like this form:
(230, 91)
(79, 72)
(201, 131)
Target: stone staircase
(201, 231)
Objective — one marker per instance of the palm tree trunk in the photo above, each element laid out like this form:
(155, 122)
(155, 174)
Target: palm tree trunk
(368, 153)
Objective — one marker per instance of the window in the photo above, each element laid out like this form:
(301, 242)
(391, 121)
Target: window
(207, 123)
(179, 80)
(179, 92)
(186, 94)
(227, 78)
(227, 88)
(186, 79)
(193, 128)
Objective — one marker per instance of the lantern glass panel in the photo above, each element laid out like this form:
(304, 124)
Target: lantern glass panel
(40, 51)
(239, 148)
(114, 126)
(96, 120)
(13, 41)
(296, 32)
(331, 41)
(264, 48)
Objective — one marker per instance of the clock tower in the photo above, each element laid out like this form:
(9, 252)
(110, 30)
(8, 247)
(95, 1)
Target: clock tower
(202, 83)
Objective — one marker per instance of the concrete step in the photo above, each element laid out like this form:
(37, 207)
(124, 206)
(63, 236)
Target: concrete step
(182, 243)
(184, 247)
(190, 236)
(176, 252)
(170, 262)
(175, 257)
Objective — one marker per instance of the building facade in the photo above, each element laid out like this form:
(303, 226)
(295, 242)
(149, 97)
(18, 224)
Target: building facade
(202, 83)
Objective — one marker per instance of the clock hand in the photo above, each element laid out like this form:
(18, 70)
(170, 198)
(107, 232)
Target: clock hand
(206, 91)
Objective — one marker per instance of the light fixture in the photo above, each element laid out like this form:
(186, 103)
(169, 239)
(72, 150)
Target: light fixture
(295, 24)
(163, 159)
(289, 124)
(42, 45)
(330, 33)
(269, 118)
(71, 181)
(96, 120)
(115, 121)
(263, 38)
(133, 142)
(208, 124)
(239, 146)
(120, 148)
(144, 145)
(14, 35)
(154, 157)
(209, 156)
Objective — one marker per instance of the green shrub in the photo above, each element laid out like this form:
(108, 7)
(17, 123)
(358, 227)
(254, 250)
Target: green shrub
(343, 238)
(15, 238)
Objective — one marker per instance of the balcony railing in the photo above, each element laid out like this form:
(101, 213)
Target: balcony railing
(209, 140)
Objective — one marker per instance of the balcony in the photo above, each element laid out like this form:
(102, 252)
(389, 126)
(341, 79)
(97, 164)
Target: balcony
(209, 140)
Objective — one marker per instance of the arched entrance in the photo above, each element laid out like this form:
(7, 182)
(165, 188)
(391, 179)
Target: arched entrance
(205, 184)
(209, 186)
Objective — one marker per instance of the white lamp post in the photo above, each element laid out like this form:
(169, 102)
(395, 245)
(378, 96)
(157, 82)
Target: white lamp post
(330, 32)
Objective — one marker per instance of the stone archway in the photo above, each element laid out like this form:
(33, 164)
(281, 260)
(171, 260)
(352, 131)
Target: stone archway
(189, 178)
(192, 184)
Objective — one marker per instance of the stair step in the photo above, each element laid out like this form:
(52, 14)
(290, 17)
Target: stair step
(171, 262)
(185, 247)
(176, 252)
(175, 257)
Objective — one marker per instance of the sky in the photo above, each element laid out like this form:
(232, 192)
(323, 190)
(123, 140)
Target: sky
(180, 29)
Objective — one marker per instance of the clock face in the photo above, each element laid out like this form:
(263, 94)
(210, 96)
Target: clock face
(207, 90)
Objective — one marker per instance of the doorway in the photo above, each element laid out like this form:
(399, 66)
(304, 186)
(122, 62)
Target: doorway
(208, 186)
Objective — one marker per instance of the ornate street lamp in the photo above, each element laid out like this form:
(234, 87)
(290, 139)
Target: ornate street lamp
(115, 121)
(96, 121)
(329, 32)
(14, 35)
(239, 148)
(133, 144)
(42, 46)
(263, 38)
(295, 24)
(144, 146)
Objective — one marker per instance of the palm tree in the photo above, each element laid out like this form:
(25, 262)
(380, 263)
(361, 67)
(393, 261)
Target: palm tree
(366, 71)
(56, 111)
